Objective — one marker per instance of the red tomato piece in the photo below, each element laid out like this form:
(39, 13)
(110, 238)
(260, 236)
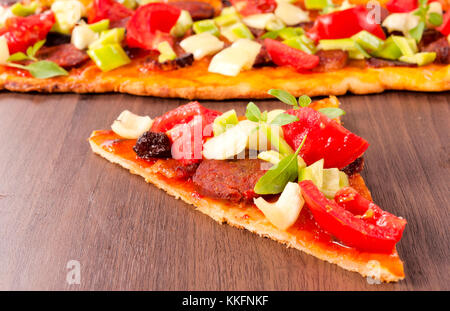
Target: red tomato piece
(368, 229)
(284, 55)
(445, 27)
(108, 9)
(22, 32)
(401, 6)
(250, 7)
(344, 24)
(151, 24)
(326, 139)
(187, 127)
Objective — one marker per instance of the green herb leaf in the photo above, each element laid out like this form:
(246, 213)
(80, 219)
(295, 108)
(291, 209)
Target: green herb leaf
(304, 101)
(264, 116)
(435, 19)
(284, 96)
(16, 57)
(283, 119)
(277, 177)
(417, 31)
(32, 50)
(45, 69)
(332, 113)
(253, 113)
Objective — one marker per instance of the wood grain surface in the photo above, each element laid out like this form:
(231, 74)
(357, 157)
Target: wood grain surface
(60, 202)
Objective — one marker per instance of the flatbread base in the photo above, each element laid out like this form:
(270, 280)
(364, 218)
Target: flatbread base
(385, 267)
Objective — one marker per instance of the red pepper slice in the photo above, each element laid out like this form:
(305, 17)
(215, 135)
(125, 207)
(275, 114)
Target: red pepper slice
(250, 7)
(344, 24)
(108, 9)
(151, 24)
(284, 55)
(401, 6)
(445, 27)
(326, 140)
(22, 32)
(355, 221)
(186, 126)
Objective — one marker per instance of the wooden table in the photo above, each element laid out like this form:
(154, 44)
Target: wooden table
(60, 202)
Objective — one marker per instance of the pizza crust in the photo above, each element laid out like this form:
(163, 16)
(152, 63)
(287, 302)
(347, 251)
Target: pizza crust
(254, 221)
(195, 82)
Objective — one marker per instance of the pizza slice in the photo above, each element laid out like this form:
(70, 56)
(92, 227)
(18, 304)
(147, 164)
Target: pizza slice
(289, 175)
(211, 49)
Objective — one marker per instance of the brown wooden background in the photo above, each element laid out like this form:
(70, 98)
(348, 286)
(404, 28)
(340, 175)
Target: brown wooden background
(60, 202)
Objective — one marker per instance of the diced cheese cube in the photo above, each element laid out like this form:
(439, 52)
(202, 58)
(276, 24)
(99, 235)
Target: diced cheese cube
(4, 50)
(83, 36)
(67, 14)
(239, 56)
(259, 21)
(291, 14)
(202, 44)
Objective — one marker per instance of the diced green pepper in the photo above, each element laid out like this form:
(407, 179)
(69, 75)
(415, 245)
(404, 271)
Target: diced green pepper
(166, 52)
(289, 32)
(229, 10)
(115, 35)
(302, 43)
(368, 41)
(355, 51)
(421, 59)
(206, 25)
(389, 50)
(227, 19)
(108, 57)
(237, 31)
(19, 9)
(404, 45)
(225, 121)
(184, 23)
(314, 172)
(100, 26)
(276, 140)
(316, 4)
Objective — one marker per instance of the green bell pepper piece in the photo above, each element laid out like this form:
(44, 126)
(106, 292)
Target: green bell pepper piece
(227, 19)
(389, 50)
(108, 57)
(115, 35)
(184, 23)
(100, 26)
(316, 4)
(302, 43)
(289, 32)
(19, 9)
(404, 45)
(368, 41)
(421, 59)
(166, 51)
(206, 25)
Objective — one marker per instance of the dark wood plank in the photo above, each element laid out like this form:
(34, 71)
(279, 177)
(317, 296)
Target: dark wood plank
(61, 202)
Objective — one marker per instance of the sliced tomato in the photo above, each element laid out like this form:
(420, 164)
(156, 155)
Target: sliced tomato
(151, 24)
(186, 127)
(369, 229)
(326, 139)
(22, 32)
(108, 9)
(445, 27)
(250, 7)
(344, 24)
(284, 55)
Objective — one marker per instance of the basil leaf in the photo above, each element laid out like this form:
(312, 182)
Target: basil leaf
(332, 113)
(435, 19)
(304, 101)
(32, 50)
(264, 116)
(45, 69)
(283, 119)
(253, 113)
(284, 96)
(417, 31)
(277, 177)
(17, 57)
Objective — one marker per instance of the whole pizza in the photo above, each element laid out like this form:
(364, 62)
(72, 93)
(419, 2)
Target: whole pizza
(211, 49)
